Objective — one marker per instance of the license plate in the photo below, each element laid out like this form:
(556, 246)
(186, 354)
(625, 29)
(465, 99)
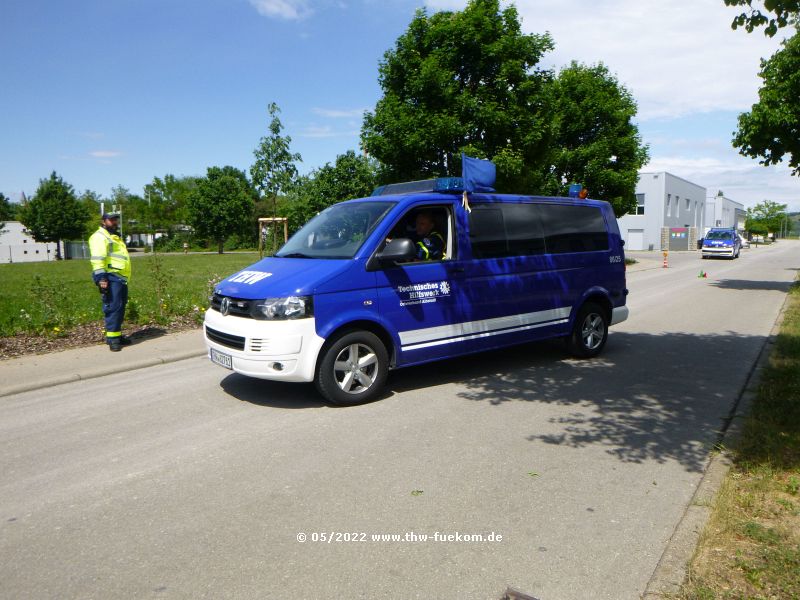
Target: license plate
(224, 360)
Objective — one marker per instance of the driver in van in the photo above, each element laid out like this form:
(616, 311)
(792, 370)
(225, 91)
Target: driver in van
(428, 241)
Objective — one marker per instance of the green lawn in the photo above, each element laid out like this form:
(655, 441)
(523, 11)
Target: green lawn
(51, 297)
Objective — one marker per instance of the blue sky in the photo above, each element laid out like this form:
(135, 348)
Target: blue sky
(116, 92)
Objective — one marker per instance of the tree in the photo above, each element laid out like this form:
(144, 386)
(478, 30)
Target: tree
(6, 210)
(54, 213)
(167, 199)
(463, 81)
(221, 205)
(779, 13)
(597, 144)
(766, 217)
(90, 201)
(274, 170)
(771, 130)
(351, 176)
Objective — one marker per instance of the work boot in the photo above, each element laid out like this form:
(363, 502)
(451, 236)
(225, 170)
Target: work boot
(114, 346)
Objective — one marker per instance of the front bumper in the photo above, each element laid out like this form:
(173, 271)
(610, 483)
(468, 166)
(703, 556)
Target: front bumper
(276, 350)
(719, 251)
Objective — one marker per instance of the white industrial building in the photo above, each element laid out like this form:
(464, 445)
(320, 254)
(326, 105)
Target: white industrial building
(17, 245)
(724, 212)
(670, 214)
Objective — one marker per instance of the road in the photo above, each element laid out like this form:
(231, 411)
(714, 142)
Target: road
(185, 481)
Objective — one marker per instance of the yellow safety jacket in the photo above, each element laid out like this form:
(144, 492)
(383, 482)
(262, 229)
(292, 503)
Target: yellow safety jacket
(109, 254)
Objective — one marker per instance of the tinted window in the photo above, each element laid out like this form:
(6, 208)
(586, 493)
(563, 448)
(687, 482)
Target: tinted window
(499, 230)
(573, 228)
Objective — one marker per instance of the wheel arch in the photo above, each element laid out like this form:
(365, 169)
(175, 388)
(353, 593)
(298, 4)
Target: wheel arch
(597, 296)
(360, 325)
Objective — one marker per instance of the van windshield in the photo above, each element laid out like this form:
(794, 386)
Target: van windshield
(336, 232)
(719, 235)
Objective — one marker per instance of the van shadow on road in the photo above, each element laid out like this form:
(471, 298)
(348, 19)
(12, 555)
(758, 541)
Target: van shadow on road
(272, 393)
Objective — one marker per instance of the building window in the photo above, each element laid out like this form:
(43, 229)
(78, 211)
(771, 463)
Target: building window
(639, 204)
(688, 203)
(669, 205)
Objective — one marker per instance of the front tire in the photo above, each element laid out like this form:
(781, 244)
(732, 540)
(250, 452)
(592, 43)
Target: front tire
(589, 332)
(353, 369)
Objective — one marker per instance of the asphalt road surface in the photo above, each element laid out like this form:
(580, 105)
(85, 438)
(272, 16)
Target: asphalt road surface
(186, 481)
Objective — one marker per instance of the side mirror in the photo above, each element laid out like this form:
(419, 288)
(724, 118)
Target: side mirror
(396, 250)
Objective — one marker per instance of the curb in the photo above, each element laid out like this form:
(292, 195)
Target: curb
(672, 568)
(99, 372)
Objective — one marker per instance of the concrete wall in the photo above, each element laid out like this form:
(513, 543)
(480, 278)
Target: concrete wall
(16, 245)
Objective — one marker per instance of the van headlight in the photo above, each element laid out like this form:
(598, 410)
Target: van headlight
(279, 309)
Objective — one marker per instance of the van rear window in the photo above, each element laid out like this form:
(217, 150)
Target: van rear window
(573, 229)
(500, 230)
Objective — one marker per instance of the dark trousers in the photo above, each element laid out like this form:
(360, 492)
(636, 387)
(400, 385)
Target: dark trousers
(114, 301)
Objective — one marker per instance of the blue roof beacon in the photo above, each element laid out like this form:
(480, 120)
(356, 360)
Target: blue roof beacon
(351, 295)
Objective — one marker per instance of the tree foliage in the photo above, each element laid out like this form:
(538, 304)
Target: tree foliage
(462, 81)
(470, 82)
(54, 213)
(221, 204)
(167, 200)
(771, 130)
(597, 144)
(776, 14)
(351, 176)
(765, 217)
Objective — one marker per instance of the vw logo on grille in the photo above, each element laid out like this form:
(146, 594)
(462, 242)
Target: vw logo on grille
(225, 306)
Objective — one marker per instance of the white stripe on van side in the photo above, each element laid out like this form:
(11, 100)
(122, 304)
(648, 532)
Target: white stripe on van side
(446, 334)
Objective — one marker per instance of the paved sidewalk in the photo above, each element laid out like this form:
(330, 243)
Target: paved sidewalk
(43, 370)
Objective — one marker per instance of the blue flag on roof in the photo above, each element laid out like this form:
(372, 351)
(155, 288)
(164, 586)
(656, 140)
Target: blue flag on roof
(478, 175)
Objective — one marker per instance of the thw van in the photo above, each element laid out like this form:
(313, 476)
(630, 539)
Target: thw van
(346, 299)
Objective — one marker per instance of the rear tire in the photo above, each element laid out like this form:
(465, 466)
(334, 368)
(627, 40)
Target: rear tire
(353, 369)
(589, 332)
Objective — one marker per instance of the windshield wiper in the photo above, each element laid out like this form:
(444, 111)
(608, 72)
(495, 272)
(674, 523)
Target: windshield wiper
(294, 255)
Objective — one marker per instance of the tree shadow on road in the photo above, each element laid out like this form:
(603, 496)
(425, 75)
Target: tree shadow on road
(647, 397)
(747, 284)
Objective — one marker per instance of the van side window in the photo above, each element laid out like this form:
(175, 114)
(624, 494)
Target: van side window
(501, 230)
(431, 229)
(573, 228)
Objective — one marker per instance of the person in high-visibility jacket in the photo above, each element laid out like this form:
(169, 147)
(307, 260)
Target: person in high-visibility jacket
(111, 271)
(428, 242)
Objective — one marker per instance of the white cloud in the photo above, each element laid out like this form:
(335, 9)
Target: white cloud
(290, 10)
(339, 114)
(326, 131)
(104, 154)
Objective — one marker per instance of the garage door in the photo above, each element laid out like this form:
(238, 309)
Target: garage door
(635, 239)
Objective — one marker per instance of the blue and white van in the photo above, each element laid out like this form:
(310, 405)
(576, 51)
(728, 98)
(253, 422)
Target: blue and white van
(720, 241)
(345, 299)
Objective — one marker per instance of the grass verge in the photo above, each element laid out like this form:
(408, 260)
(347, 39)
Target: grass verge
(50, 298)
(751, 545)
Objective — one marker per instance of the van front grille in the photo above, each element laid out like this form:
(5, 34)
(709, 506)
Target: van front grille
(225, 339)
